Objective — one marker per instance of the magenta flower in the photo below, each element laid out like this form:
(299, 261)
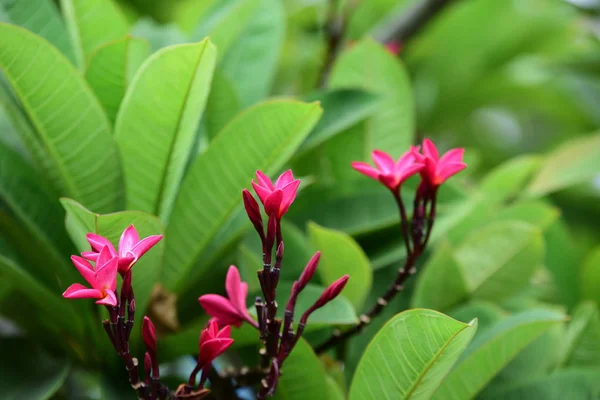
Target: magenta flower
(149, 334)
(102, 279)
(213, 342)
(389, 172)
(276, 198)
(437, 170)
(131, 248)
(232, 310)
(393, 47)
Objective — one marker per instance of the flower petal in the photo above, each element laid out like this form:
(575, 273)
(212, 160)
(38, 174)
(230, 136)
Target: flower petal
(98, 242)
(104, 256)
(221, 309)
(225, 332)
(366, 169)
(284, 179)
(264, 180)
(78, 291)
(448, 170)
(261, 192)
(90, 255)
(109, 300)
(289, 195)
(453, 156)
(430, 150)
(273, 202)
(106, 275)
(85, 269)
(145, 244)
(129, 238)
(383, 160)
(212, 348)
(236, 290)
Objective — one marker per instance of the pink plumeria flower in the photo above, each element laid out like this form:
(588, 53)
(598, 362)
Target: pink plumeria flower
(276, 198)
(389, 172)
(131, 248)
(102, 279)
(213, 342)
(437, 170)
(229, 311)
(393, 47)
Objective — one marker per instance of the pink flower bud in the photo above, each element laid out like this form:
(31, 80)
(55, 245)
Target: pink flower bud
(149, 335)
(213, 343)
(253, 212)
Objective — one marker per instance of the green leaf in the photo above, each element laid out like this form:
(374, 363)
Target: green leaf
(157, 123)
(581, 347)
(590, 276)
(342, 255)
(334, 391)
(111, 68)
(490, 264)
(574, 162)
(410, 355)
(226, 22)
(487, 314)
(222, 106)
(72, 129)
(490, 352)
(92, 23)
(40, 17)
(508, 179)
(262, 138)
(81, 221)
(369, 66)
(251, 61)
(342, 108)
(27, 372)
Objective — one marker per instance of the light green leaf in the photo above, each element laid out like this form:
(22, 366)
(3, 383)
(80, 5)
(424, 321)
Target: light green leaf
(72, 129)
(487, 314)
(574, 162)
(590, 276)
(303, 375)
(111, 68)
(581, 347)
(81, 221)
(369, 66)
(334, 391)
(157, 123)
(222, 106)
(40, 17)
(508, 179)
(262, 138)
(225, 22)
(340, 255)
(490, 264)
(410, 356)
(92, 23)
(251, 61)
(490, 352)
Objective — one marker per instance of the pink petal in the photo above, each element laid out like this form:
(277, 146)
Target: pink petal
(104, 256)
(429, 150)
(284, 179)
(264, 180)
(410, 171)
(221, 309)
(98, 242)
(452, 156)
(404, 161)
(129, 238)
(273, 202)
(236, 290)
(109, 300)
(90, 255)
(449, 170)
(383, 160)
(429, 172)
(289, 195)
(85, 269)
(78, 291)
(213, 348)
(125, 263)
(224, 333)
(365, 169)
(391, 181)
(261, 192)
(145, 244)
(106, 275)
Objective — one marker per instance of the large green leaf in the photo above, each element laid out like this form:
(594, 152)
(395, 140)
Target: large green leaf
(508, 179)
(40, 17)
(589, 278)
(490, 264)
(262, 138)
(155, 146)
(581, 347)
(410, 356)
(342, 255)
(71, 126)
(225, 22)
(369, 66)
(490, 352)
(146, 272)
(251, 61)
(222, 106)
(28, 373)
(575, 162)
(92, 23)
(302, 376)
(111, 68)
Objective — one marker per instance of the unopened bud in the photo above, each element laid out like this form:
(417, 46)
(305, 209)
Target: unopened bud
(253, 211)
(308, 271)
(328, 294)
(149, 335)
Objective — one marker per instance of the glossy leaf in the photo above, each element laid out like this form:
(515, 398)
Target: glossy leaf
(81, 221)
(490, 352)
(262, 138)
(45, 21)
(55, 98)
(508, 179)
(111, 68)
(92, 23)
(581, 347)
(251, 61)
(157, 123)
(575, 162)
(590, 276)
(222, 106)
(340, 255)
(410, 355)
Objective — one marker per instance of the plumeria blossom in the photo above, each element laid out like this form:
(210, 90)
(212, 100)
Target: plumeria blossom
(229, 311)
(213, 342)
(102, 279)
(389, 172)
(276, 198)
(131, 248)
(438, 169)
